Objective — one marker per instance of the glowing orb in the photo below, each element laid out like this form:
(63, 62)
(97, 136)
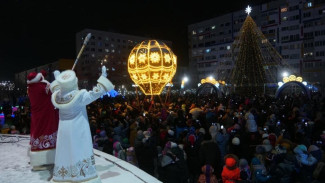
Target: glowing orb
(299, 79)
(285, 79)
(292, 78)
(151, 65)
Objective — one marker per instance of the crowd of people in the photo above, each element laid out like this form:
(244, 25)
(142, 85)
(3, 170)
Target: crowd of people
(208, 139)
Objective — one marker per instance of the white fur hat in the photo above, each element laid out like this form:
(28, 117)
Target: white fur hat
(171, 132)
(235, 141)
(202, 130)
(265, 135)
(67, 81)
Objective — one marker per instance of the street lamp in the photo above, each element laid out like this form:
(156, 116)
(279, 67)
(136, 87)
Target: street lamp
(285, 74)
(184, 80)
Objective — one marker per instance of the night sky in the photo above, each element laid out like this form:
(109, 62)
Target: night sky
(37, 32)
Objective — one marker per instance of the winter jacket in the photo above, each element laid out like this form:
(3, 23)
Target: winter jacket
(258, 171)
(283, 171)
(222, 141)
(207, 176)
(196, 112)
(145, 155)
(130, 156)
(230, 172)
(251, 123)
(303, 158)
(193, 161)
(306, 164)
(247, 170)
(118, 133)
(210, 154)
(133, 133)
(172, 167)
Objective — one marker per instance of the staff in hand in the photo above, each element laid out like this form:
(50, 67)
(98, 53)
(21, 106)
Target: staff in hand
(81, 50)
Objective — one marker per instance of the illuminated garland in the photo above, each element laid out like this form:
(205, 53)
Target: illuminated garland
(151, 65)
(292, 78)
(212, 81)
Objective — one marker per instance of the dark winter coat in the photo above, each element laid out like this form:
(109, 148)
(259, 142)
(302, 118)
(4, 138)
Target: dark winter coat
(210, 154)
(193, 160)
(172, 167)
(283, 171)
(222, 141)
(145, 155)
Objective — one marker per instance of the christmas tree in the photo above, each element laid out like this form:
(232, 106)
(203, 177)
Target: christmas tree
(256, 60)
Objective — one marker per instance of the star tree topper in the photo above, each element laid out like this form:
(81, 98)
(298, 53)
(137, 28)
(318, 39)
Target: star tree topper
(248, 10)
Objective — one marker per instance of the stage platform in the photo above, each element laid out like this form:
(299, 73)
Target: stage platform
(15, 167)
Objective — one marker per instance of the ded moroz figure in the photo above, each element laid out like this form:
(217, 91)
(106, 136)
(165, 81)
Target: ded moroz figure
(74, 158)
(44, 122)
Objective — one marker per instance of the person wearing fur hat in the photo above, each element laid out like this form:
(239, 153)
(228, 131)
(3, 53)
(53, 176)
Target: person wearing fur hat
(74, 142)
(44, 122)
(230, 172)
(237, 147)
(207, 175)
(171, 135)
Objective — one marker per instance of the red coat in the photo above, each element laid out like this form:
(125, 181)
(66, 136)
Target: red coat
(44, 117)
(230, 175)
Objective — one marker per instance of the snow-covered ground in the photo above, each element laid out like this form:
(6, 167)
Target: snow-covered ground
(15, 168)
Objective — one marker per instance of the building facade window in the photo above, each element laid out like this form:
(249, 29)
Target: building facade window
(285, 9)
(309, 4)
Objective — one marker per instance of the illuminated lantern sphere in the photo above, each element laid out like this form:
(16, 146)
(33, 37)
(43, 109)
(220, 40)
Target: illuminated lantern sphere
(151, 65)
(299, 79)
(223, 82)
(285, 79)
(292, 78)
